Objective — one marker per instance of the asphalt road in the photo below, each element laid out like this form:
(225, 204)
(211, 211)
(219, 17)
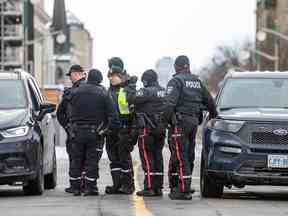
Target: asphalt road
(248, 201)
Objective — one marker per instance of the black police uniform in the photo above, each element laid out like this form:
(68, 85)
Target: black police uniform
(186, 96)
(63, 114)
(92, 111)
(120, 143)
(149, 107)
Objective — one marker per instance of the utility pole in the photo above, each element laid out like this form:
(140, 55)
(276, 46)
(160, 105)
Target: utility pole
(2, 34)
(25, 38)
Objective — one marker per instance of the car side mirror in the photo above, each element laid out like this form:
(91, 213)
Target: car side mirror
(44, 109)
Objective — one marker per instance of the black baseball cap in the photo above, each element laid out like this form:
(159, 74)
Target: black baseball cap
(95, 75)
(75, 68)
(149, 76)
(116, 66)
(182, 60)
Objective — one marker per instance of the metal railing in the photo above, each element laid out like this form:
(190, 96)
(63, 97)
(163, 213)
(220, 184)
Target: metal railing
(7, 7)
(13, 56)
(13, 31)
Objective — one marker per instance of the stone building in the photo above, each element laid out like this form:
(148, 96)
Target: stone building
(273, 15)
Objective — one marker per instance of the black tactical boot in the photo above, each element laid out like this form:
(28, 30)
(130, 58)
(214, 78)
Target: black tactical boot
(173, 189)
(192, 190)
(127, 189)
(180, 196)
(69, 190)
(146, 193)
(91, 188)
(158, 192)
(76, 187)
(77, 192)
(91, 192)
(112, 190)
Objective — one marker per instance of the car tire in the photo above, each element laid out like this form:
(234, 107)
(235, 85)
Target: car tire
(51, 178)
(208, 187)
(36, 186)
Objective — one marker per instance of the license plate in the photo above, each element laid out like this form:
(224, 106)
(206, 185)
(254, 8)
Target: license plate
(278, 161)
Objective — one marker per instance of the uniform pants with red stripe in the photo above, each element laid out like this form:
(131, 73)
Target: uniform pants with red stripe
(181, 163)
(150, 150)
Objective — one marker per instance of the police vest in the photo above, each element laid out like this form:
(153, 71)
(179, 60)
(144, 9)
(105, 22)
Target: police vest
(123, 104)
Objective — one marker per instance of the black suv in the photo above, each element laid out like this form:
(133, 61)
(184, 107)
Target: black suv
(27, 135)
(247, 144)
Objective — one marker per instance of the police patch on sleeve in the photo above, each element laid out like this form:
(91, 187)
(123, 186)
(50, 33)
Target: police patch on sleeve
(139, 93)
(169, 90)
(161, 94)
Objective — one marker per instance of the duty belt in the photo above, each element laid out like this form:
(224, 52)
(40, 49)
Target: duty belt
(97, 128)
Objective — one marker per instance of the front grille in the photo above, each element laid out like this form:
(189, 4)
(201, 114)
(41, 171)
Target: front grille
(269, 151)
(268, 138)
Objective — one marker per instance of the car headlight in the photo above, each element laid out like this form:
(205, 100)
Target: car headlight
(225, 125)
(15, 132)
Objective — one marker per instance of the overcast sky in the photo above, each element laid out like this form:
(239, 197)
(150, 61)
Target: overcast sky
(142, 31)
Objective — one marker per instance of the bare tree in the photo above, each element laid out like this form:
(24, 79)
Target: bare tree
(225, 58)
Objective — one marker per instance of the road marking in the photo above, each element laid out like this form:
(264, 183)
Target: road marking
(139, 203)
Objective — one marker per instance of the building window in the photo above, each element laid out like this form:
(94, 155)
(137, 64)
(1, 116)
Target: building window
(59, 75)
(270, 4)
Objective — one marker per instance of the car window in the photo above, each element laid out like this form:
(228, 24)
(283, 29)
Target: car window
(12, 94)
(247, 92)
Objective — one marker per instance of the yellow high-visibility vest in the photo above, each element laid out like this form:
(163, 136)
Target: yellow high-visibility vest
(123, 104)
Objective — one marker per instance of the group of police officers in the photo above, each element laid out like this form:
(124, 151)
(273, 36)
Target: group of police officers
(123, 117)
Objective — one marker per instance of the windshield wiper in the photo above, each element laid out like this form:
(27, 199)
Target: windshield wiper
(240, 107)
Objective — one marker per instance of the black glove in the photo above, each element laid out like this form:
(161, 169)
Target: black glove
(111, 132)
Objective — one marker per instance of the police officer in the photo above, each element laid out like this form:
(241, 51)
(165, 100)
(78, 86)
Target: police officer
(119, 144)
(76, 76)
(92, 112)
(149, 106)
(186, 96)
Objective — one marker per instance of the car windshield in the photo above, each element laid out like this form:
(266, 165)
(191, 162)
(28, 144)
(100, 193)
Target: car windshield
(12, 94)
(254, 93)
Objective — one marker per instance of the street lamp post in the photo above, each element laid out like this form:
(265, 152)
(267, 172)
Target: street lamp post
(262, 36)
(245, 54)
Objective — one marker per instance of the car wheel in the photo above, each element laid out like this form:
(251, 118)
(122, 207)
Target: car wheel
(51, 178)
(208, 187)
(36, 186)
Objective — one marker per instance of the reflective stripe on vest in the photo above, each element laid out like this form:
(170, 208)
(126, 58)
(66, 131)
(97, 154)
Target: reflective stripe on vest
(122, 102)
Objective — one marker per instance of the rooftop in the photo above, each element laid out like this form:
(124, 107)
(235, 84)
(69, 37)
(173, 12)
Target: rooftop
(72, 19)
